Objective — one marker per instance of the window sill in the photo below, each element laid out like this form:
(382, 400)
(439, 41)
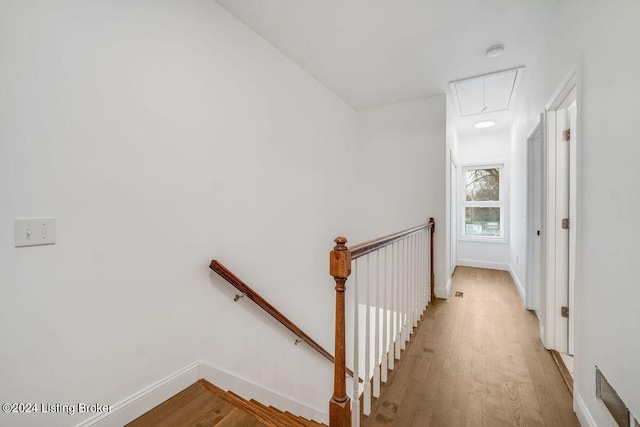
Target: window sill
(480, 239)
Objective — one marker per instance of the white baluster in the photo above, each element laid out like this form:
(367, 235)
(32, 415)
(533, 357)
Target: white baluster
(421, 260)
(398, 304)
(407, 286)
(412, 284)
(403, 286)
(425, 281)
(416, 280)
(376, 366)
(427, 258)
(355, 399)
(385, 318)
(416, 288)
(366, 401)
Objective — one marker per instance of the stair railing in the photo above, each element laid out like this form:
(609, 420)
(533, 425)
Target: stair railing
(247, 291)
(394, 282)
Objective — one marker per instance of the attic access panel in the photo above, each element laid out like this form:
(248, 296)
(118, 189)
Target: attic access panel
(488, 93)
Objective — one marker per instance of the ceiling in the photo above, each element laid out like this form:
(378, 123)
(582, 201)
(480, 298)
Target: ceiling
(379, 52)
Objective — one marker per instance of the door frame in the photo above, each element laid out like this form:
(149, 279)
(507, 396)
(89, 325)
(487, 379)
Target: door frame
(555, 293)
(453, 214)
(537, 131)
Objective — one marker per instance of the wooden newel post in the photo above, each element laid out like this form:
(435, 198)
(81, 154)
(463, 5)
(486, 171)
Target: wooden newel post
(340, 269)
(433, 276)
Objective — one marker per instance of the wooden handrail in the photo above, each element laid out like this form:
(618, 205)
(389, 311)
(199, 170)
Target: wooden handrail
(373, 245)
(234, 280)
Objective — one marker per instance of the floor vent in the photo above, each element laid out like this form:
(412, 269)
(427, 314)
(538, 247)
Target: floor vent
(459, 294)
(618, 410)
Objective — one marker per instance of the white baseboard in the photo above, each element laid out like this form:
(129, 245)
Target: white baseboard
(249, 390)
(584, 416)
(521, 290)
(143, 401)
(483, 264)
(443, 292)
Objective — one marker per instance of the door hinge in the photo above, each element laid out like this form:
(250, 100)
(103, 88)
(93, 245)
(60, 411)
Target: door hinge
(566, 135)
(565, 223)
(564, 311)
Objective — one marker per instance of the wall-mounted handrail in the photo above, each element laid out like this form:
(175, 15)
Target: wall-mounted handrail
(247, 291)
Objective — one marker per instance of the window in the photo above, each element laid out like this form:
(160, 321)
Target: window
(484, 204)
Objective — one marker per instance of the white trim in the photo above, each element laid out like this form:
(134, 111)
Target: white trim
(584, 416)
(146, 399)
(249, 390)
(484, 264)
(503, 203)
(569, 82)
(483, 239)
(516, 87)
(553, 295)
(536, 129)
(519, 286)
(443, 292)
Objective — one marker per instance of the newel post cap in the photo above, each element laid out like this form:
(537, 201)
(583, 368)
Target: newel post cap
(341, 243)
(340, 259)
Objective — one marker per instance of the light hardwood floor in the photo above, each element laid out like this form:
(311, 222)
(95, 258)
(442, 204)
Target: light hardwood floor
(475, 361)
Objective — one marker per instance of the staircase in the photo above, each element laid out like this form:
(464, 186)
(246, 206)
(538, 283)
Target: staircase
(204, 405)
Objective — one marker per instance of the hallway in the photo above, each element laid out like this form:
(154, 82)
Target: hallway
(476, 360)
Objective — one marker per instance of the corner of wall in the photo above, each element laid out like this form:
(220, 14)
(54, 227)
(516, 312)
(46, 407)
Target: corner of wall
(146, 399)
(443, 292)
(519, 285)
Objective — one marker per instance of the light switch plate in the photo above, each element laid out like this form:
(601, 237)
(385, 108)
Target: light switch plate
(35, 231)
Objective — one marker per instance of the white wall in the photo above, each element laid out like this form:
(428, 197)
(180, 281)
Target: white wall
(161, 134)
(607, 295)
(399, 173)
(486, 146)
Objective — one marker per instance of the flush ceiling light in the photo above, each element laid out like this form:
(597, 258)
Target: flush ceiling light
(485, 124)
(494, 51)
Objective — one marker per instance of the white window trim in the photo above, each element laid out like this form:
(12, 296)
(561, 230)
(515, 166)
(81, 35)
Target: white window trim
(503, 204)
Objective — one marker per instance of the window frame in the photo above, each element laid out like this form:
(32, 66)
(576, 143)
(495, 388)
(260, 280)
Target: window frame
(502, 203)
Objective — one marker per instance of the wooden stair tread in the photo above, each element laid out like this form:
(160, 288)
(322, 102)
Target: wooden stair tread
(267, 415)
(204, 405)
(277, 415)
(193, 406)
(239, 418)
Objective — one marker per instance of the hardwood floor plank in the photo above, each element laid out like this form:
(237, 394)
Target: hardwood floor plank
(475, 360)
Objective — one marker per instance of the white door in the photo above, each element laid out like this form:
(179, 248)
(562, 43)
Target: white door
(560, 188)
(562, 233)
(572, 115)
(566, 219)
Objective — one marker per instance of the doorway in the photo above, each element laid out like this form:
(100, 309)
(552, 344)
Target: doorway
(534, 224)
(560, 219)
(453, 182)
